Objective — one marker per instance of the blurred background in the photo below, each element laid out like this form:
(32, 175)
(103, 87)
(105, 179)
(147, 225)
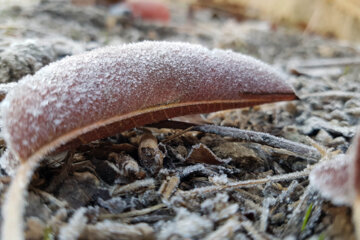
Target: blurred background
(332, 18)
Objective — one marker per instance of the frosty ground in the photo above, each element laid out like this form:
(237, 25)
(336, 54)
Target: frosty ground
(89, 199)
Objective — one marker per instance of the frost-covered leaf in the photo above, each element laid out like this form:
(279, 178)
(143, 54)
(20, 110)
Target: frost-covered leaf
(202, 154)
(80, 94)
(93, 95)
(333, 179)
(339, 178)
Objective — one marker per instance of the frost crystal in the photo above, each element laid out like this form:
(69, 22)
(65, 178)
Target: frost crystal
(75, 226)
(221, 180)
(8, 162)
(185, 225)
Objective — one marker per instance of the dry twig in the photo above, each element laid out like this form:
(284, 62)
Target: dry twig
(262, 138)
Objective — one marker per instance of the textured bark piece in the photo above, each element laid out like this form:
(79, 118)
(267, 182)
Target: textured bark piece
(96, 94)
(150, 156)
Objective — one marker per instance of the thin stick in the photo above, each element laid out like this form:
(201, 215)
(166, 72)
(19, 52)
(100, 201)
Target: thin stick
(329, 62)
(249, 183)
(332, 94)
(249, 227)
(177, 134)
(262, 138)
(133, 213)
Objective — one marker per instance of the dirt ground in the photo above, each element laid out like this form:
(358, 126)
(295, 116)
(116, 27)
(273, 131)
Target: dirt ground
(88, 194)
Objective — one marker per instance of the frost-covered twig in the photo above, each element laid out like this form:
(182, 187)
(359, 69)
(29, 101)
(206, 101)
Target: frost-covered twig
(329, 62)
(73, 229)
(226, 231)
(133, 187)
(332, 94)
(262, 138)
(249, 227)
(133, 213)
(248, 183)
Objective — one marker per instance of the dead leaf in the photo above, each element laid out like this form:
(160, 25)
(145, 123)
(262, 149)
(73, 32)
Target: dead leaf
(202, 154)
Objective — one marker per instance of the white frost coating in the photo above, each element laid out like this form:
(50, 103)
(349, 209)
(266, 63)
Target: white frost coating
(218, 208)
(72, 93)
(115, 205)
(9, 163)
(333, 179)
(220, 179)
(209, 204)
(114, 230)
(185, 225)
(73, 229)
(146, 183)
(266, 204)
(227, 230)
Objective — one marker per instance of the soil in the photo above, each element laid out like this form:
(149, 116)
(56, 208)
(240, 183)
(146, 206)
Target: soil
(99, 190)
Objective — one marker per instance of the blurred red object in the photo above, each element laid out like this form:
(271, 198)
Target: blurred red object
(149, 10)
